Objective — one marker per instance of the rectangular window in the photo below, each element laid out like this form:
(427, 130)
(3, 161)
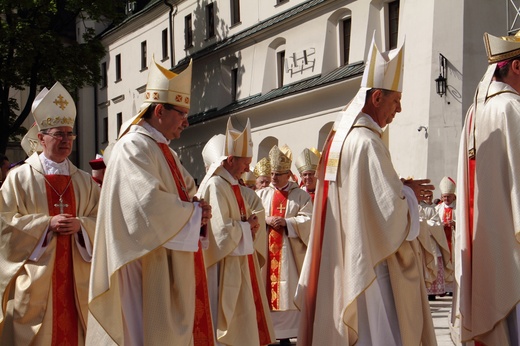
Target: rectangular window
(104, 79)
(280, 57)
(188, 32)
(347, 27)
(118, 67)
(210, 20)
(235, 12)
(143, 56)
(393, 23)
(105, 130)
(164, 44)
(234, 84)
(119, 122)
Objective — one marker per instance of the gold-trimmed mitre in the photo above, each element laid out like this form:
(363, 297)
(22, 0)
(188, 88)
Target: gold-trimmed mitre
(501, 48)
(447, 185)
(307, 160)
(213, 150)
(30, 142)
(163, 86)
(280, 158)
(248, 178)
(54, 108)
(263, 168)
(238, 143)
(384, 70)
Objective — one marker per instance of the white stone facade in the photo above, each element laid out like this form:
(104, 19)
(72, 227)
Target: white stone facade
(301, 112)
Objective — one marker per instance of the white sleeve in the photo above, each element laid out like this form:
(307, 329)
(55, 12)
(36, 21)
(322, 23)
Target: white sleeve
(40, 248)
(245, 247)
(85, 251)
(188, 238)
(414, 212)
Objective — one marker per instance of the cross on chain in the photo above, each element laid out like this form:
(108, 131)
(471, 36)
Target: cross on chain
(281, 208)
(61, 205)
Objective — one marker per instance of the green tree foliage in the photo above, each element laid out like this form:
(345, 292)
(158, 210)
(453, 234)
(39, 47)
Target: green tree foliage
(39, 46)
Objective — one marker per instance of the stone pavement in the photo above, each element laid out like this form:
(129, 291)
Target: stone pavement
(440, 309)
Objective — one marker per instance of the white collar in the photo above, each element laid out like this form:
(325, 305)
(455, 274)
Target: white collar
(156, 134)
(226, 175)
(51, 167)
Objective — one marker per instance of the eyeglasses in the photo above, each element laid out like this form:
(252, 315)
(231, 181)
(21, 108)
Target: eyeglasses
(59, 135)
(172, 108)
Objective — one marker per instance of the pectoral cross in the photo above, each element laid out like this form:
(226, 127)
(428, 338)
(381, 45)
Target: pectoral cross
(61, 205)
(281, 208)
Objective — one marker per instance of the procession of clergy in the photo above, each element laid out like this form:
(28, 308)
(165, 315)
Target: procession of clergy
(347, 253)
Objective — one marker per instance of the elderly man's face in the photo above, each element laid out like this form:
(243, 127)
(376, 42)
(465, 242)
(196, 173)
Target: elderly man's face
(57, 142)
(262, 181)
(448, 198)
(308, 179)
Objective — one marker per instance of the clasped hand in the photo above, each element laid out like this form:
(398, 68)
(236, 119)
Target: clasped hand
(64, 224)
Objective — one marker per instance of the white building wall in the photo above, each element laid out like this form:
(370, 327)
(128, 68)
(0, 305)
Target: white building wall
(428, 27)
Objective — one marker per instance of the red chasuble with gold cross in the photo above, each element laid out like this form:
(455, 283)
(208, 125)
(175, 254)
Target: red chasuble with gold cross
(65, 315)
(274, 261)
(202, 326)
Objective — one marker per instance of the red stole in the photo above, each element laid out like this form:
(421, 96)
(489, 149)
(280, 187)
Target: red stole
(263, 329)
(448, 228)
(278, 207)
(319, 213)
(65, 314)
(202, 326)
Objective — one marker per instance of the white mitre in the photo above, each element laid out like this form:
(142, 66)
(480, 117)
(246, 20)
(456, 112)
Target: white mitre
(501, 48)
(164, 86)
(53, 108)
(307, 160)
(238, 143)
(447, 185)
(30, 142)
(213, 151)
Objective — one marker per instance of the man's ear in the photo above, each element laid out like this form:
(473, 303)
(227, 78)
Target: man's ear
(377, 96)
(158, 110)
(515, 66)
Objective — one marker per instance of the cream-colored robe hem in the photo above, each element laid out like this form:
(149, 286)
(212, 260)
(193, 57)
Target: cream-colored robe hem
(24, 221)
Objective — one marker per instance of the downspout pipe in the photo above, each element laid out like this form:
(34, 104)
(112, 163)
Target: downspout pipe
(173, 11)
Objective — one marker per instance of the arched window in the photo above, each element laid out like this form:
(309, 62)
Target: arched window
(337, 40)
(274, 65)
(265, 146)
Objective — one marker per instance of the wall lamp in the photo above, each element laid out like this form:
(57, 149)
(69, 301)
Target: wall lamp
(442, 80)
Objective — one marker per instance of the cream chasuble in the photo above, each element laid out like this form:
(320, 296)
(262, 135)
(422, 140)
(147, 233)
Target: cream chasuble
(28, 268)
(232, 260)
(358, 254)
(286, 253)
(487, 243)
(141, 216)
